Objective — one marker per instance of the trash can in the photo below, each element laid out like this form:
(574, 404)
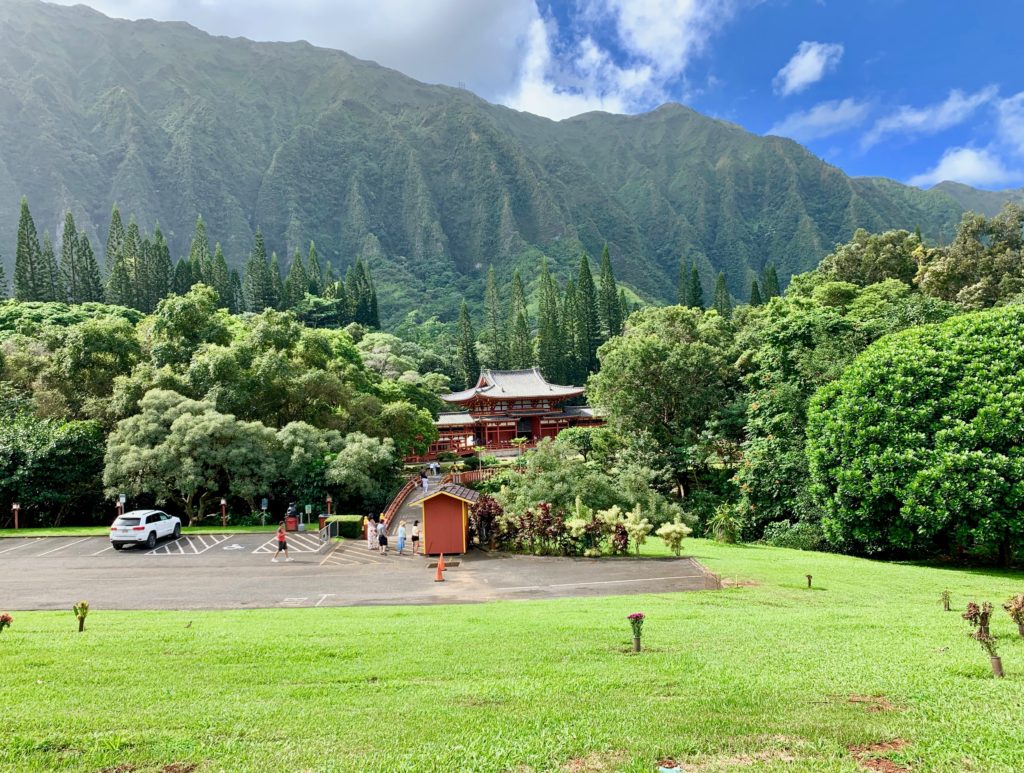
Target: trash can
(291, 523)
(323, 520)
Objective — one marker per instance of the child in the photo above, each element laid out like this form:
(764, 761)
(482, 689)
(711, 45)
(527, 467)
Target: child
(415, 536)
(401, 537)
(282, 544)
(383, 540)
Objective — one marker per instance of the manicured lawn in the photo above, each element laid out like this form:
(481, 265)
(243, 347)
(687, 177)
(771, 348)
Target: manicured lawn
(753, 677)
(103, 531)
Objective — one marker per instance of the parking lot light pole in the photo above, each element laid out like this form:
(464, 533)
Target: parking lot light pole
(329, 501)
(223, 512)
(16, 508)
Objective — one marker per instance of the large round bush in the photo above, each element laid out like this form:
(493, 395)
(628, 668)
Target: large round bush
(919, 446)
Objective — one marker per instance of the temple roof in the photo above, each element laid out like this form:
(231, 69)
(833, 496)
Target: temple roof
(512, 385)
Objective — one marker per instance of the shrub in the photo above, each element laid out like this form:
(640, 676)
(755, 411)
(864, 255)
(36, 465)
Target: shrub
(1015, 609)
(725, 524)
(801, 535)
(349, 526)
(5, 621)
(673, 534)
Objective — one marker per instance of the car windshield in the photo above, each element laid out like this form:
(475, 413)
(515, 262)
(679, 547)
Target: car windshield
(127, 522)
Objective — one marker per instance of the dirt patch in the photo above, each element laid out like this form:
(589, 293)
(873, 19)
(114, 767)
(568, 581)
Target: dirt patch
(872, 702)
(742, 760)
(737, 582)
(179, 767)
(124, 767)
(597, 762)
(872, 756)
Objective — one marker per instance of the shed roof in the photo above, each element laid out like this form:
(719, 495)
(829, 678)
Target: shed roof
(454, 490)
(513, 384)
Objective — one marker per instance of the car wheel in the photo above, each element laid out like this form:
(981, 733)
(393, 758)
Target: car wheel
(177, 530)
(151, 540)
(117, 545)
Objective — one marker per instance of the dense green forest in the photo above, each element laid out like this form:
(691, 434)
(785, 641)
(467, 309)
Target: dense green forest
(428, 185)
(838, 414)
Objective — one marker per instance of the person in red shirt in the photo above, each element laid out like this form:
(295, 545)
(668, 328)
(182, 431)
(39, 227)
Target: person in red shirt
(282, 544)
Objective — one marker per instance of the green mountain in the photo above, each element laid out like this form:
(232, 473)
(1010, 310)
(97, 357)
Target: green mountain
(430, 184)
(984, 202)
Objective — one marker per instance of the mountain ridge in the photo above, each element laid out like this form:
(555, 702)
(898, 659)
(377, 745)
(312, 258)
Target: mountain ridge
(429, 183)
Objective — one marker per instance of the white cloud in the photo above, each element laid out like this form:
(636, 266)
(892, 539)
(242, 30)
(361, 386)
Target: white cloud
(955, 109)
(969, 166)
(822, 120)
(1010, 123)
(441, 41)
(808, 65)
(660, 38)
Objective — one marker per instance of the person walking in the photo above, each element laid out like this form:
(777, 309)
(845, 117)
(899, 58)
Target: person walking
(382, 538)
(424, 480)
(371, 532)
(415, 537)
(282, 544)
(401, 537)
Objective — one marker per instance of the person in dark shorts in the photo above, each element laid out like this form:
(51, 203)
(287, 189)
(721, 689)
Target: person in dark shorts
(415, 537)
(282, 544)
(382, 540)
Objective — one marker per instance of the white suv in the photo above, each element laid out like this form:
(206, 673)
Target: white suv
(143, 527)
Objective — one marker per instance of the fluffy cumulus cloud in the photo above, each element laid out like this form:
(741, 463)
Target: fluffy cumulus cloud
(659, 37)
(811, 62)
(822, 120)
(970, 166)
(1010, 123)
(931, 119)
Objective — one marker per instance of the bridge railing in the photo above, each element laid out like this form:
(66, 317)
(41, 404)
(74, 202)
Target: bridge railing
(399, 499)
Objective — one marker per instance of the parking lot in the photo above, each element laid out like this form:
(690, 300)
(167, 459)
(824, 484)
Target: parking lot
(234, 571)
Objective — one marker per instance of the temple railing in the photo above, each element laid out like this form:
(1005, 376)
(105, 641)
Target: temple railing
(399, 499)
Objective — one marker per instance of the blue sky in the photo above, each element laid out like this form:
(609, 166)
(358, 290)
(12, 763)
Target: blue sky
(916, 90)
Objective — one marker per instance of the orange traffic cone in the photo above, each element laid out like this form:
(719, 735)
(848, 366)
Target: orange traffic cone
(440, 563)
(439, 577)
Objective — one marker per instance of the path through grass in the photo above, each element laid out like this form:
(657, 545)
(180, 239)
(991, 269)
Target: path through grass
(757, 674)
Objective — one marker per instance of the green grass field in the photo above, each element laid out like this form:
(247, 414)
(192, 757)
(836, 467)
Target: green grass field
(758, 675)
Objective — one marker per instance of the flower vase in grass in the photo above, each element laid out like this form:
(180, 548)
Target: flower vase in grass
(5, 621)
(978, 616)
(988, 641)
(1015, 609)
(637, 621)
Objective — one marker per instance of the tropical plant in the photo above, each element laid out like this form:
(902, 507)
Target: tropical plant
(978, 616)
(673, 534)
(5, 621)
(1015, 609)
(81, 610)
(725, 524)
(637, 527)
(945, 598)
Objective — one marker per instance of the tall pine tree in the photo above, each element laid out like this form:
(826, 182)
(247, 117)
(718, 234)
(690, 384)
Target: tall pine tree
(259, 289)
(575, 336)
(115, 239)
(314, 272)
(589, 317)
(70, 265)
(53, 286)
(199, 255)
(221, 279)
(93, 279)
(277, 298)
(182, 281)
(466, 360)
(755, 293)
(3, 281)
(550, 341)
(520, 345)
(695, 291)
(608, 298)
(723, 301)
(297, 284)
(495, 327)
(29, 275)
(770, 283)
(160, 271)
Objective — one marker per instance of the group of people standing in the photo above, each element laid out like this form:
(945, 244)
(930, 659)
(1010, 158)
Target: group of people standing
(377, 536)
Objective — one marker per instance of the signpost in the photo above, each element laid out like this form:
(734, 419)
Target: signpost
(16, 508)
(263, 507)
(329, 501)
(223, 512)
(121, 499)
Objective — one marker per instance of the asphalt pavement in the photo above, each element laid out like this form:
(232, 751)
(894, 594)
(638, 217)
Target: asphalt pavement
(235, 571)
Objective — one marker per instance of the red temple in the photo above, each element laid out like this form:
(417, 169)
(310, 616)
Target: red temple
(505, 405)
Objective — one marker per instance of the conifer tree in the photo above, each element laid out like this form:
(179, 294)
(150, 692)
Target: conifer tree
(624, 307)
(496, 329)
(683, 283)
(373, 320)
(119, 284)
(723, 302)
(70, 268)
(297, 284)
(550, 343)
(199, 255)
(134, 261)
(314, 273)
(92, 278)
(586, 308)
(237, 302)
(277, 298)
(520, 346)
(575, 336)
(770, 283)
(160, 273)
(29, 280)
(608, 295)
(257, 283)
(465, 345)
(221, 278)
(182, 281)
(3, 281)
(115, 239)
(328, 275)
(695, 293)
(755, 293)
(53, 286)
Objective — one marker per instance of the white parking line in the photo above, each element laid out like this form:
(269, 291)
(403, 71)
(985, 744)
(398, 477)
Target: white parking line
(323, 597)
(598, 582)
(297, 543)
(193, 545)
(46, 553)
(108, 547)
(27, 541)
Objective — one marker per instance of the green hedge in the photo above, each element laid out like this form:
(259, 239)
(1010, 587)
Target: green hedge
(349, 526)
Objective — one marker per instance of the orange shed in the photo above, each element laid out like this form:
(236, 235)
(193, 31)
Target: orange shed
(446, 519)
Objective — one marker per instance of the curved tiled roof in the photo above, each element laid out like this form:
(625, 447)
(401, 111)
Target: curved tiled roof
(513, 384)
